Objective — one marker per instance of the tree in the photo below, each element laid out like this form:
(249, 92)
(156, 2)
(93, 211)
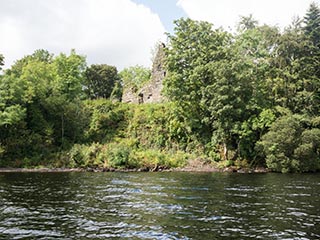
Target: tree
(312, 24)
(294, 82)
(291, 145)
(64, 105)
(39, 105)
(39, 55)
(219, 82)
(189, 56)
(135, 77)
(1, 61)
(70, 75)
(100, 80)
(237, 95)
(247, 23)
(311, 59)
(308, 151)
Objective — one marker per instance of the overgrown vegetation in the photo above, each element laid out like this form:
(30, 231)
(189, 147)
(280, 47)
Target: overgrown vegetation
(245, 99)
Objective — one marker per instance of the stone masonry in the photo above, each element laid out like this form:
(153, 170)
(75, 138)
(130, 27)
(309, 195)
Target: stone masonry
(151, 92)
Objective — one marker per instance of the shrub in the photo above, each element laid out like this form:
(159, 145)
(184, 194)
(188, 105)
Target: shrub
(154, 159)
(117, 155)
(289, 147)
(107, 120)
(84, 156)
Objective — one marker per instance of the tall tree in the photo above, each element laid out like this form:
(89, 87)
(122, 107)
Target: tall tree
(100, 80)
(1, 61)
(246, 23)
(295, 81)
(312, 24)
(40, 55)
(191, 50)
(238, 96)
(25, 127)
(311, 59)
(70, 74)
(39, 104)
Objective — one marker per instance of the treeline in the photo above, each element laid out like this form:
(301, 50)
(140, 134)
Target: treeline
(251, 98)
(56, 111)
(252, 95)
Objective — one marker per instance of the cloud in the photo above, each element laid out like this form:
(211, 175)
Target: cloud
(115, 32)
(226, 13)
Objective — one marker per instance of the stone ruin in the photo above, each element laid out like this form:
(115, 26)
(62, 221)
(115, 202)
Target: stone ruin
(151, 92)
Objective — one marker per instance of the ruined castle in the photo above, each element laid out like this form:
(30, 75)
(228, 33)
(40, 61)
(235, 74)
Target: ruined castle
(151, 92)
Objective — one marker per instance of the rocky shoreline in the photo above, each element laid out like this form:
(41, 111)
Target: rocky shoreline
(204, 169)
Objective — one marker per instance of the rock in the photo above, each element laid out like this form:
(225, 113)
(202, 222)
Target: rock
(260, 170)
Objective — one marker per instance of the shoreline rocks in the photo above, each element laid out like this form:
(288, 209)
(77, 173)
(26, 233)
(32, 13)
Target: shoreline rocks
(203, 169)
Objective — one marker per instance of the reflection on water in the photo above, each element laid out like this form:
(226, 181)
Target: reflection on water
(159, 206)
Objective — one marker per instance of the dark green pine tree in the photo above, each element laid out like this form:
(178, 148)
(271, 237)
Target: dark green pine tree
(1, 61)
(312, 24)
(311, 60)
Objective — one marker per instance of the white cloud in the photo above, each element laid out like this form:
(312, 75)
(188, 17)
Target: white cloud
(115, 32)
(226, 13)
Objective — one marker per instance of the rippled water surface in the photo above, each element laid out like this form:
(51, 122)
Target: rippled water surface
(159, 206)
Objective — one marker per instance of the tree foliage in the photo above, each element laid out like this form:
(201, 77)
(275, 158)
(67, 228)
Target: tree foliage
(39, 104)
(252, 96)
(100, 81)
(190, 54)
(135, 77)
(1, 61)
(231, 88)
(291, 147)
(312, 24)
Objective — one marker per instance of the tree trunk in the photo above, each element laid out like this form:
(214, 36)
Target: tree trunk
(62, 130)
(225, 151)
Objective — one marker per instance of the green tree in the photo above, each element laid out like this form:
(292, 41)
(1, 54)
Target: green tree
(39, 55)
(308, 151)
(100, 81)
(311, 60)
(279, 144)
(294, 84)
(219, 82)
(1, 61)
(247, 23)
(39, 106)
(135, 77)
(190, 53)
(291, 145)
(70, 75)
(312, 24)
(64, 105)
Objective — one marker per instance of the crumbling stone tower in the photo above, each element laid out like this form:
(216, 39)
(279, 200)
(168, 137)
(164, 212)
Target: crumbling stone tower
(151, 92)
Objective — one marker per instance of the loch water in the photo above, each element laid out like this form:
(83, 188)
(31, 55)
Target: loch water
(167, 205)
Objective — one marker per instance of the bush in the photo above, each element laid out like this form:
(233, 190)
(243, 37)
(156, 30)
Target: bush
(308, 152)
(107, 120)
(118, 155)
(84, 156)
(154, 159)
(123, 155)
(289, 147)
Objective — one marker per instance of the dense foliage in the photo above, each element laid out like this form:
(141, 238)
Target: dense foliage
(252, 97)
(135, 77)
(101, 80)
(1, 60)
(237, 93)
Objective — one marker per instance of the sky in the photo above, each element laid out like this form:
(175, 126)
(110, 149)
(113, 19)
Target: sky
(121, 33)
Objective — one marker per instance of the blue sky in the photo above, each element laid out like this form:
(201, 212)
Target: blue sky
(121, 33)
(167, 10)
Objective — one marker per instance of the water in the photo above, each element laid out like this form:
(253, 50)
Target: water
(159, 206)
